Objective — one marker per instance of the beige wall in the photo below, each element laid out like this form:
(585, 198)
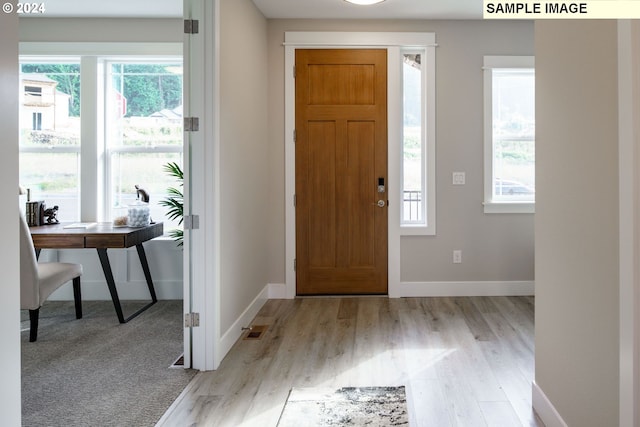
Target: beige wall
(244, 170)
(10, 401)
(496, 247)
(577, 271)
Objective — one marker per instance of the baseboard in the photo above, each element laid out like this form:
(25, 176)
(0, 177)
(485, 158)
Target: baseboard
(277, 291)
(464, 289)
(132, 290)
(232, 334)
(545, 409)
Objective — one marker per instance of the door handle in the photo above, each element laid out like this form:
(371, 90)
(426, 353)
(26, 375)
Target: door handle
(380, 204)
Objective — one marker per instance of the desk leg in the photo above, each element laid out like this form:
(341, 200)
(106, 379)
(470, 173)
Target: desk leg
(145, 268)
(108, 275)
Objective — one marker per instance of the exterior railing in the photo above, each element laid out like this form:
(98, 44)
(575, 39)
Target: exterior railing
(412, 206)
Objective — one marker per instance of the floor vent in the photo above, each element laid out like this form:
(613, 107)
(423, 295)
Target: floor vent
(255, 332)
(179, 363)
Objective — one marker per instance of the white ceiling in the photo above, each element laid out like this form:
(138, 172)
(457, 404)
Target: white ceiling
(330, 9)
(389, 9)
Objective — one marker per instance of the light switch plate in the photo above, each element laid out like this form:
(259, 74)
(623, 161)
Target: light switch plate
(459, 178)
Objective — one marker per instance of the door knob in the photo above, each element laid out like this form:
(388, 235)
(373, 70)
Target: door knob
(381, 203)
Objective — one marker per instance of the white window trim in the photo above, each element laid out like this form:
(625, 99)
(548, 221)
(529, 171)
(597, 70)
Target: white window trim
(94, 181)
(428, 228)
(393, 42)
(107, 151)
(491, 62)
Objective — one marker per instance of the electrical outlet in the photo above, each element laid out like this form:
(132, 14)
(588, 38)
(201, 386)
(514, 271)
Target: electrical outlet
(457, 256)
(458, 178)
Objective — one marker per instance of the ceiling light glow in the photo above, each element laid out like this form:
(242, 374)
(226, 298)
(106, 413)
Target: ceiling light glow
(364, 2)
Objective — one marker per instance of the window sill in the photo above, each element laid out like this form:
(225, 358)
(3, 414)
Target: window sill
(509, 207)
(417, 230)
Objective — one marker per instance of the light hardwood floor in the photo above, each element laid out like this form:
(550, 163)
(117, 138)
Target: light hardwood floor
(464, 361)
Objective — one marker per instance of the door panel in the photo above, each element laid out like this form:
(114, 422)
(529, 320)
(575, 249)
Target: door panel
(321, 175)
(341, 152)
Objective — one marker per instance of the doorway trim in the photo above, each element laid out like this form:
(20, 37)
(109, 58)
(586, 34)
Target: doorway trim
(393, 42)
(629, 211)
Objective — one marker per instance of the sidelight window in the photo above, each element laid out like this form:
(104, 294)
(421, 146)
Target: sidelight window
(418, 145)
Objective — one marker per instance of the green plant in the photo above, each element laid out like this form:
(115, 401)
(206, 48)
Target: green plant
(175, 200)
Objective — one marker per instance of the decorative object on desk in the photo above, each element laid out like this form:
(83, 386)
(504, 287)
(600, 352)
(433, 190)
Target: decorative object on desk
(35, 213)
(175, 201)
(142, 194)
(138, 215)
(51, 215)
(120, 216)
(347, 406)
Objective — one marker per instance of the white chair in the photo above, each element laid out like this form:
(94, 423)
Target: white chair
(39, 280)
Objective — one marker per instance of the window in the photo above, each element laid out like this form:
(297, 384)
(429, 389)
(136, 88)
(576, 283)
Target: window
(50, 133)
(418, 146)
(37, 121)
(131, 126)
(412, 123)
(33, 91)
(143, 130)
(509, 134)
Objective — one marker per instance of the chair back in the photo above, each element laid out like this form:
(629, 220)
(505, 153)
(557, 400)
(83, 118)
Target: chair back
(29, 289)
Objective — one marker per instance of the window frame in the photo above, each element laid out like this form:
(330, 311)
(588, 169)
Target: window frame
(423, 202)
(492, 62)
(428, 143)
(50, 58)
(111, 150)
(95, 191)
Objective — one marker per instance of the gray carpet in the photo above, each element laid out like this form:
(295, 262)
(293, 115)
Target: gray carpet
(95, 371)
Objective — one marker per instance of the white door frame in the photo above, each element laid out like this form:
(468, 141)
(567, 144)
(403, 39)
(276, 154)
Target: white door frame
(392, 42)
(629, 211)
(201, 187)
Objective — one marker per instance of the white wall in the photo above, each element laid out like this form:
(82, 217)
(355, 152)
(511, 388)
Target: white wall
(496, 247)
(10, 397)
(576, 221)
(100, 30)
(244, 177)
(165, 264)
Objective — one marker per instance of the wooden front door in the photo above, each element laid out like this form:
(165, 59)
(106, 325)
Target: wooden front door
(341, 159)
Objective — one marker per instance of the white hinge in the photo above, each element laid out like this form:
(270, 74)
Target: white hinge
(191, 124)
(295, 264)
(191, 26)
(191, 320)
(295, 135)
(191, 222)
(294, 71)
(294, 200)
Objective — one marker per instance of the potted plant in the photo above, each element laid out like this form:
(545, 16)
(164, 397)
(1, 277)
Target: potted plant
(175, 201)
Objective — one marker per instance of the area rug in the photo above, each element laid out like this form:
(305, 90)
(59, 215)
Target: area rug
(347, 406)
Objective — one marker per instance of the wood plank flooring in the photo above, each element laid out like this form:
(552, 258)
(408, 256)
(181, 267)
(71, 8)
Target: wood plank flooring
(464, 361)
